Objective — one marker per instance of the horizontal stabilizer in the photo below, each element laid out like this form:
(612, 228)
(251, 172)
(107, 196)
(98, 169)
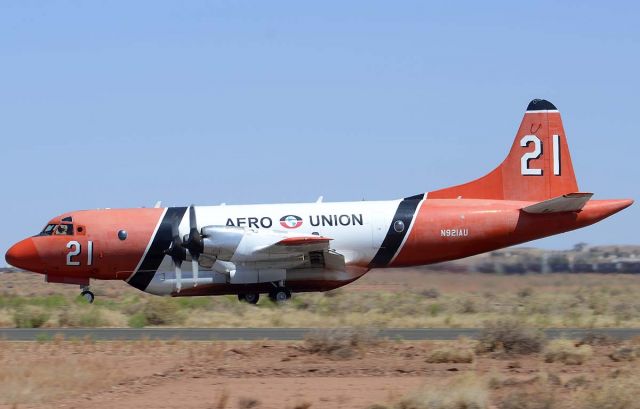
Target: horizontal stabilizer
(571, 202)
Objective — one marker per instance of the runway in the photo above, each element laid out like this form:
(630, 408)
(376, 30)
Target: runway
(274, 334)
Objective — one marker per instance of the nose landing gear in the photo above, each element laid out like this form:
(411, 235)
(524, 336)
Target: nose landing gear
(87, 294)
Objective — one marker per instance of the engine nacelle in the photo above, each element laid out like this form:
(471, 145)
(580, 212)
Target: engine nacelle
(221, 242)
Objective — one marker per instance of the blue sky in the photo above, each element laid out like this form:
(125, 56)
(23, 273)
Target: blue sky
(121, 104)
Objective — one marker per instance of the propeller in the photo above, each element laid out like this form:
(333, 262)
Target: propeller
(193, 242)
(177, 253)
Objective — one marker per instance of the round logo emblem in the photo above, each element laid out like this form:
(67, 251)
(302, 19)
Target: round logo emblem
(291, 221)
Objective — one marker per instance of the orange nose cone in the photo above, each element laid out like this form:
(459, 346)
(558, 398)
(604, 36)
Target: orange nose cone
(23, 255)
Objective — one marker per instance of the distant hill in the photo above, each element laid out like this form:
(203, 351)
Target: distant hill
(582, 258)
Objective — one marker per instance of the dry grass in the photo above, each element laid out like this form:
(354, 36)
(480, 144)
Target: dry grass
(464, 392)
(221, 400)
(565, 351)
(43, 371)
(398, 298)
(30, 317)
(612, 394)
(539, 397)
(44, 380)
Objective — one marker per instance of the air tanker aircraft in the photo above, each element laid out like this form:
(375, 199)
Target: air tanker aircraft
(278, 249)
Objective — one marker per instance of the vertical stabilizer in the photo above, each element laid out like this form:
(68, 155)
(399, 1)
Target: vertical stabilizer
(538, 166)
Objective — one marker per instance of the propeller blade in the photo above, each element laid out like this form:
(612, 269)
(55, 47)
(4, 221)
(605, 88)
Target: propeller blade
(196, 270)
(193, 241)
(192, 218)
(175, 232)
(178, 264)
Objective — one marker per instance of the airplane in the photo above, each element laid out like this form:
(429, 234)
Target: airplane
(277, 249)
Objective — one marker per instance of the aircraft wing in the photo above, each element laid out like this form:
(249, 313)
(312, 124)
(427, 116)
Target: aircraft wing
(571, 202)
(265, 246)
(298, 244)
(264, 255)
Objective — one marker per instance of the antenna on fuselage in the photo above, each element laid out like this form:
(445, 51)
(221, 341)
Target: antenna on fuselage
(158, 204)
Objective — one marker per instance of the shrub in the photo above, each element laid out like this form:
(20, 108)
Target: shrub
(339, 342)
(536, 399)
(577, 382)
(85, 317)
(525, 292)
(30, 317)
(435, 309)
(430, 293)
(595, 339)
(625, 353)
(248, 403)
(161, 311)
(451, 355)
(510, 336)
(138, 321)
(468, 306)
(613, 394)
(562, 350)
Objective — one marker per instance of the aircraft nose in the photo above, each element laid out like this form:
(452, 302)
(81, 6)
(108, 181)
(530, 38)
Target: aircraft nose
(23, 255)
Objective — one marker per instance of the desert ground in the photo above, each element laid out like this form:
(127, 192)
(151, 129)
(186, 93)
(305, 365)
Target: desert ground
(510, 367)
(328, 370)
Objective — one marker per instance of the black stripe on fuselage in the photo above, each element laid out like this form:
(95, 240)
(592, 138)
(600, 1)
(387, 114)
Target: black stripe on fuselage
(392, 241)
(160, 243)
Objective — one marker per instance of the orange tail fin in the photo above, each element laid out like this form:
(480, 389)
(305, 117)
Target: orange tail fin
(538, 166)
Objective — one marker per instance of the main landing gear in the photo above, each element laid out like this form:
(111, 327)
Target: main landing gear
(280, 295)
(251, 298)
(87, 294)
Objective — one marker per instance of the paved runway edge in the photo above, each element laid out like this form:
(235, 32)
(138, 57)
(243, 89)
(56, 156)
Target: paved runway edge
(274, 334)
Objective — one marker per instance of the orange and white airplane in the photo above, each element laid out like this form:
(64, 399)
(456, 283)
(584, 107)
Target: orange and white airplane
(282, 248)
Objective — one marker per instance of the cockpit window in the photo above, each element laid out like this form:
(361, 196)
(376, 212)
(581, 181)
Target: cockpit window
(58, 230)
(48, 230)
(63, 230)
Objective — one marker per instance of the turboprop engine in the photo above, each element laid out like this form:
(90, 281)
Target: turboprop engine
(221, 242)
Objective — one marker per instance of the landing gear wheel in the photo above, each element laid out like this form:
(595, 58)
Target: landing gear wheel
(88, 295)
(279, 295)
(251, 298)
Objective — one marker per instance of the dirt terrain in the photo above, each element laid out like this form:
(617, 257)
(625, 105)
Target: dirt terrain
(150, 374)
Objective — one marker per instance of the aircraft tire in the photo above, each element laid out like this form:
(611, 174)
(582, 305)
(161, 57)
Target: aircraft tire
(251, 298)
(88, 295)
(280, 295)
